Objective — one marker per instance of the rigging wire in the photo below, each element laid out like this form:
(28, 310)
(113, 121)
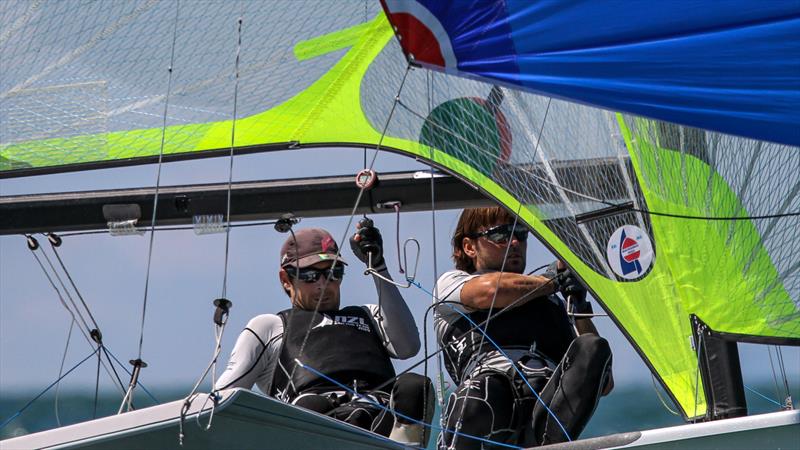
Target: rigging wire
(782, 366)
(222, 303)
(66, 291)
(780, 405)
(441, 349)
(86, 334)
(53, 247)
(396, 207)
(158, 174)
(440, 388)
(409, 278)
(213, 395)
(700, 343)
(96, 334)
(489, 315)
(61, 370)
(138, 363)
(401, 415)
(593, 198)
(502, 352)
(97, 382)
(27, 405)
(774, 373)
(537, 269)
(119, 363)
(355, 208)
(233, 144)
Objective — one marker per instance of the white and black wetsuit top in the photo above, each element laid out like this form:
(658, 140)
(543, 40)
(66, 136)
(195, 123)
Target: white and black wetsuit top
(342, 344)
(540, 328)
(255, 357)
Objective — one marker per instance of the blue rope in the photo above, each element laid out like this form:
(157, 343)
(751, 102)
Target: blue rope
(18, 413)
(352, 392)
(762, 396)
(516, 369)
(129, 372)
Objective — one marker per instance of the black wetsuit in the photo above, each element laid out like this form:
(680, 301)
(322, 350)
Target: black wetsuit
(493, 399)
(344, 346)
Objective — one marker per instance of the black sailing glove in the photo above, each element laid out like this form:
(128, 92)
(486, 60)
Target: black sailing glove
(370, 241)
(574, 291)
(570, 287)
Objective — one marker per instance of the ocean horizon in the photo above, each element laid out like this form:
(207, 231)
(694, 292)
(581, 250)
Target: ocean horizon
(627, 408)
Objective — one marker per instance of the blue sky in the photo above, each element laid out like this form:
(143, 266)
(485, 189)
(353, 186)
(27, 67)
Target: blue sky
(187, 272)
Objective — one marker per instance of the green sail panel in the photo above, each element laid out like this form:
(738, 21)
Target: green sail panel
(326, 111)
(330, 73)
(744, 292)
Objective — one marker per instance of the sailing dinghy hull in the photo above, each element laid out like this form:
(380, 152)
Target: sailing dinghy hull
(243, 420)
(779, 430)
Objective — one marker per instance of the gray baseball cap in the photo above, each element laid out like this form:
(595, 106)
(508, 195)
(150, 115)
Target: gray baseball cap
(308, 247)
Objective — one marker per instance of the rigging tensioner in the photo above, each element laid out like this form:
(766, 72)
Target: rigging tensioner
(366, 179)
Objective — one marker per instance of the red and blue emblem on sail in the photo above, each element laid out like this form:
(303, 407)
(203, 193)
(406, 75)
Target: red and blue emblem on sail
(629, 254)
(728, 66)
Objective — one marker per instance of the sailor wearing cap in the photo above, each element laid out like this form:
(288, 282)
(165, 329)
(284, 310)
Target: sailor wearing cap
(352, 345)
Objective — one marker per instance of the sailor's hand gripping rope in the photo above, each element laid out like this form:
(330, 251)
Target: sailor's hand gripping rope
(367, 245)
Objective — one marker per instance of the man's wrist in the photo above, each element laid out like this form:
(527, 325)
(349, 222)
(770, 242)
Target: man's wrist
(582, 307)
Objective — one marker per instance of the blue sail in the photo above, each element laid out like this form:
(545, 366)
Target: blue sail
(729, 66)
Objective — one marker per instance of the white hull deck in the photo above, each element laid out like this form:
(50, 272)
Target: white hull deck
(779, 430)
(247, 420)
(242, 420)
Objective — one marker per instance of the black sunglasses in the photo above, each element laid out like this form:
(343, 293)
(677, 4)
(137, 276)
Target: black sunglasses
(311, 275)
(502, 233)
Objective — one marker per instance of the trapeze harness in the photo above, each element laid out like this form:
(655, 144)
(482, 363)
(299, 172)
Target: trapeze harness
(540, 326)
(342, 344)
(488, 388)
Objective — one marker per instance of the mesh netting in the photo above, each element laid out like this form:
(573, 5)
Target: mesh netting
(704, 173)
(86, 81)
(500, 132)
(82, 68)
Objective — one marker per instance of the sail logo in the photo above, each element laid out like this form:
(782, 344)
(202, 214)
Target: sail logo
(629, 252)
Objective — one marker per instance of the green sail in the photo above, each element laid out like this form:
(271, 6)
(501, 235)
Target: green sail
(326, 75)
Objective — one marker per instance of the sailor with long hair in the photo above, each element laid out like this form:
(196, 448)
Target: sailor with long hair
(524, 377)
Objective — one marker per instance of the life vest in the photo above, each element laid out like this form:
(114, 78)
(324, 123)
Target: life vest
(341, 344)
(541, 321)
